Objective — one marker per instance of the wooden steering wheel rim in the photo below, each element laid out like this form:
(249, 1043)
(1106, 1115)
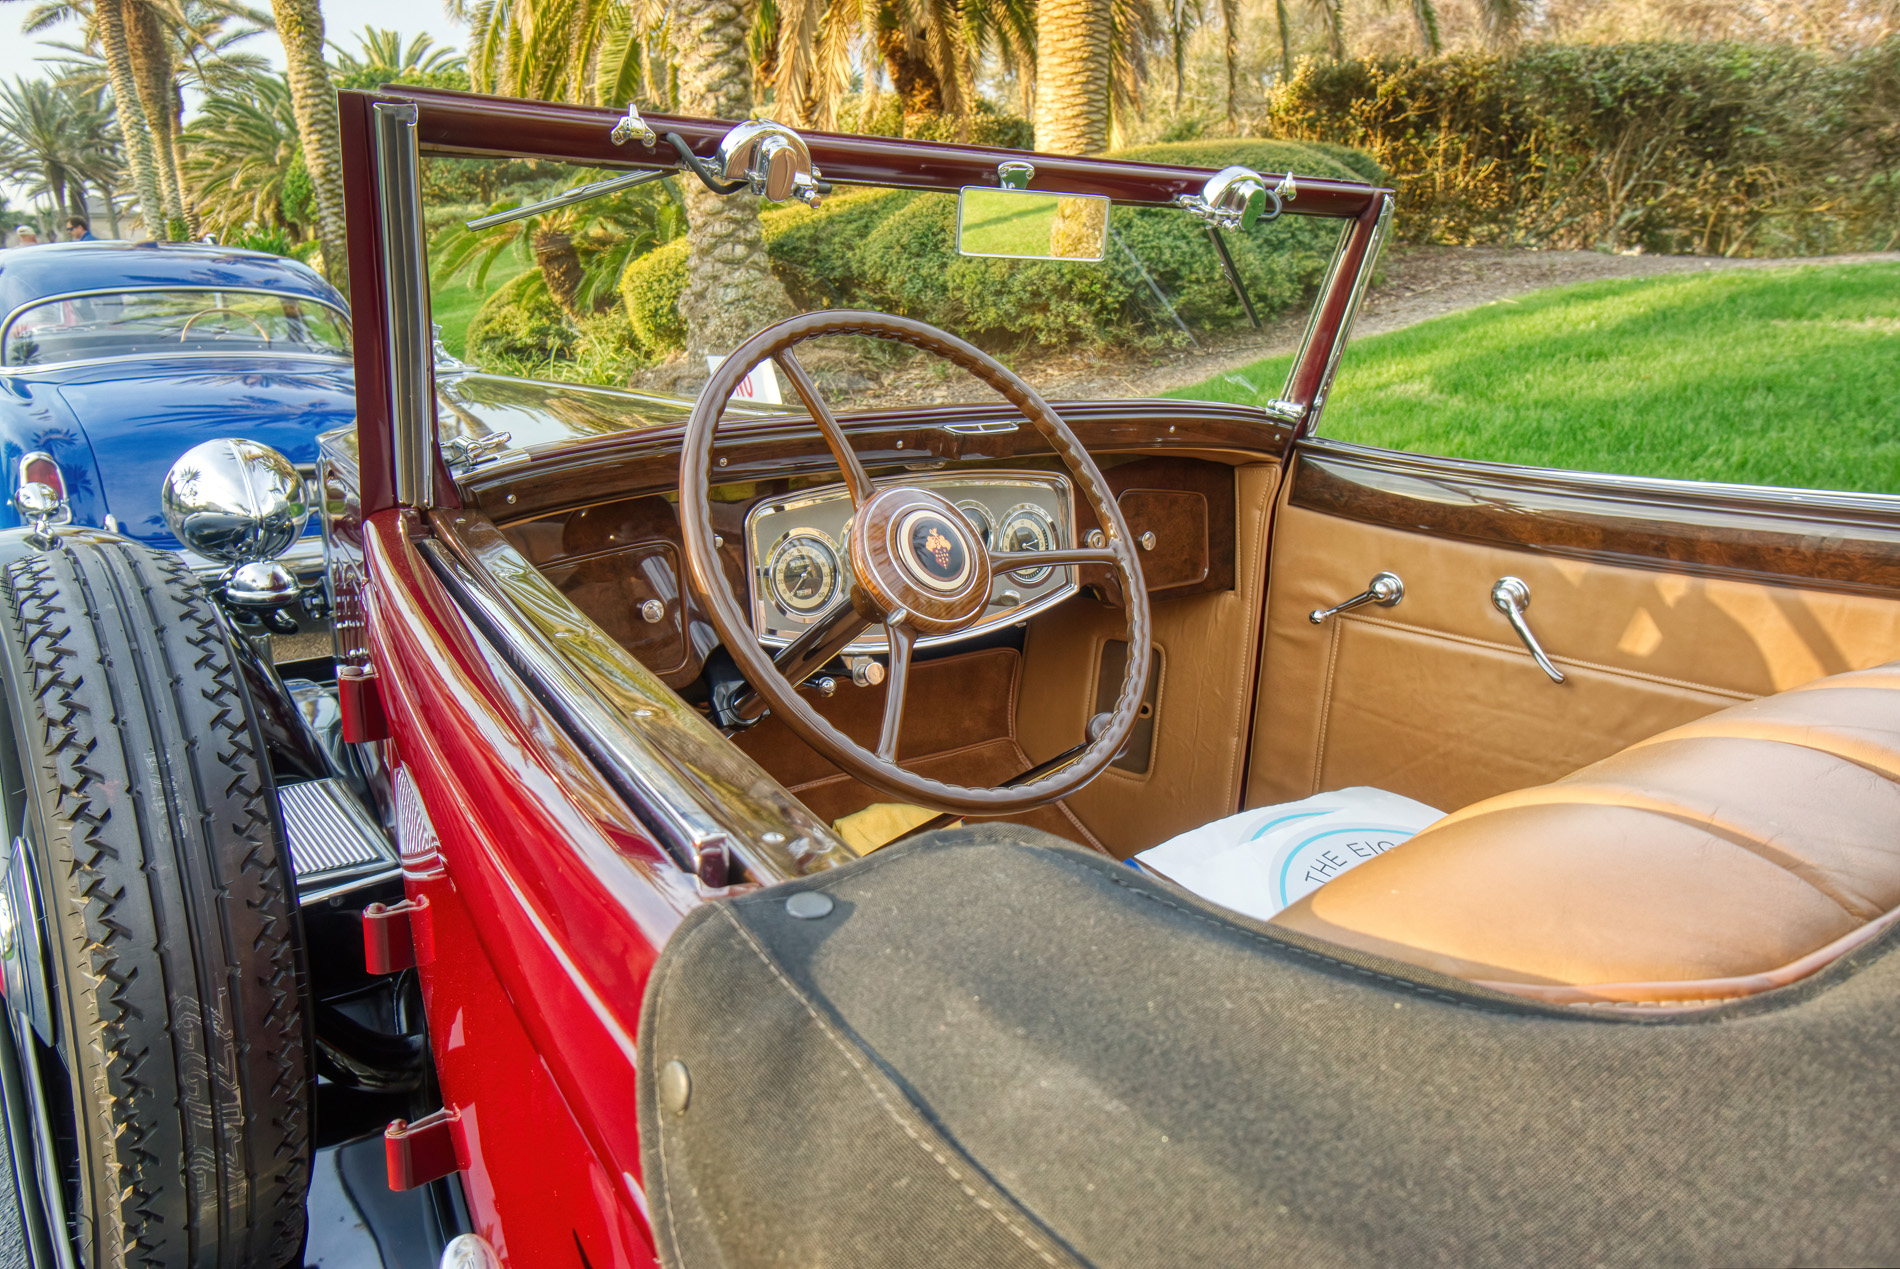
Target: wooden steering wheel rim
(727, 611)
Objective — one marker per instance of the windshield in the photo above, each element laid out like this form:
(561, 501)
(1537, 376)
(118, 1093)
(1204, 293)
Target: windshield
(121, 324)
(605, 292)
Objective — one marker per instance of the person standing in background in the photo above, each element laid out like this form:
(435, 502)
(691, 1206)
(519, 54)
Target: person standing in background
(79, 231)
(29, 237)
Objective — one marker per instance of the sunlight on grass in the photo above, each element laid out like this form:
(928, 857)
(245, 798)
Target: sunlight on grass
(453, 307)
(1777, 377)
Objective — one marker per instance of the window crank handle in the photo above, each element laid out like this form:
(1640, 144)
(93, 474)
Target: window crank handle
(1384, 590)
(1511, 596)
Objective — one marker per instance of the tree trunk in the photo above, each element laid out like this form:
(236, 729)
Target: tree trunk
(313, 101)
(1072, 64)
(150, 48)
(560, 267)
(139, 158)
(730, 290)
(903, 51)
(112, 210)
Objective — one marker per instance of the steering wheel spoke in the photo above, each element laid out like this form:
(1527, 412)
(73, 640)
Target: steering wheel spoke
(1021, 561)
(856, 480)
(901, 639)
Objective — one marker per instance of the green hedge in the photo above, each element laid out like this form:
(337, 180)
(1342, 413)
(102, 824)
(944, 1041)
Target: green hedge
(520, 324)
(1712, 148)
(894, 250)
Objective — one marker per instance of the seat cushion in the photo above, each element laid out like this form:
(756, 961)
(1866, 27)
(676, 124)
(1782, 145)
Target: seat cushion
(1731, 855)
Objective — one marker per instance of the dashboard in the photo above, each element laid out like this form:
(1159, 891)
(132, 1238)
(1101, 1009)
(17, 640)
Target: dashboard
(797, 548)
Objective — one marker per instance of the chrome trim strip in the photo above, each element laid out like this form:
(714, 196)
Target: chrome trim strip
(1312, 321)
(1359, 283)
(1819, 504)
(410, 335)
(687, 782)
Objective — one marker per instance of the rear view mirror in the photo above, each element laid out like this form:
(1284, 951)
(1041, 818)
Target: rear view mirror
(1026, 224)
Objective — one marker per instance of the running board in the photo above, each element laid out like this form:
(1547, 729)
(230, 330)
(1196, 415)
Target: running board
(335, 846)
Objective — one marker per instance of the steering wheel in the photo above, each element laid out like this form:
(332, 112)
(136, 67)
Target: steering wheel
(916, 565)
(207, 312)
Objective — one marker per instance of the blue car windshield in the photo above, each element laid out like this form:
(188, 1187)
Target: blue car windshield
(129, 323)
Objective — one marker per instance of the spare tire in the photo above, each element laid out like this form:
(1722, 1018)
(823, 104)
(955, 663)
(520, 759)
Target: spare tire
(173, 1058)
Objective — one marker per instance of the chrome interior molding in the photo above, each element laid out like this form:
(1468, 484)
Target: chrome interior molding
(1311, 333)
(685, 781)
(406, 308)
(1359, 283)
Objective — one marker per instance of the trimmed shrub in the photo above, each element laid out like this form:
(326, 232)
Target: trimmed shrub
(520, 324)
(1713, 148)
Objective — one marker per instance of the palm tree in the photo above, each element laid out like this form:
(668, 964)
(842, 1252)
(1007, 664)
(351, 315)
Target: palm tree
(44, 143)
(547, 49)
(313, 99)
(730, 290)
(1073, 61)
(386, 59)
(237, 153)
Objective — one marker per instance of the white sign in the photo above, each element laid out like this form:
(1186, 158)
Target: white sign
(760, 386)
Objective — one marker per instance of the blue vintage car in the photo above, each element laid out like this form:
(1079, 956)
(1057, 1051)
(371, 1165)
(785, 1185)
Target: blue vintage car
(115, 359)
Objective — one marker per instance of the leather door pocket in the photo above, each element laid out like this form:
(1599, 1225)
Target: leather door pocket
(1138, 755)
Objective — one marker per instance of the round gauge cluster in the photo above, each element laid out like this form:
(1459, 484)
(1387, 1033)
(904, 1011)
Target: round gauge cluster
(979, 517)
(802, 574)
(1026, 527)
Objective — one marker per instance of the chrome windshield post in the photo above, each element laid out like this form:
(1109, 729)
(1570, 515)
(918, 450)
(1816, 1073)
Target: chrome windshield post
(406, 303)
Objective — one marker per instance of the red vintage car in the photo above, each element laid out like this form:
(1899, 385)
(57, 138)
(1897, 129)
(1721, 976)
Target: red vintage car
(713, 846)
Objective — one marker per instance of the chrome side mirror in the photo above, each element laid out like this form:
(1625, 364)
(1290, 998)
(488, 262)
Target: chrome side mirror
(771, 159)
(1234, 198)
(235, 501)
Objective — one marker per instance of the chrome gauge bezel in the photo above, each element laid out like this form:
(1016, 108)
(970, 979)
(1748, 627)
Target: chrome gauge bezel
(1051, 535)
(1004, 492)
(768, 574)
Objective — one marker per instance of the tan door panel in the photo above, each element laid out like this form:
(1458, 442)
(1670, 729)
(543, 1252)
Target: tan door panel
(1206, 645)
(1436, 698)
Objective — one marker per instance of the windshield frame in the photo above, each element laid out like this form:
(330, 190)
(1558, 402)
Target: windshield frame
(57, 297)
(385, 132)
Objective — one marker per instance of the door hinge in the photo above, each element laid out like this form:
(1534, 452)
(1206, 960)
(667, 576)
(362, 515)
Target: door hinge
(397, 936)
(424, 1151)
(360, 699)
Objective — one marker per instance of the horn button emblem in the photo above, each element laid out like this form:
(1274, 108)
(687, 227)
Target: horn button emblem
(934, 550)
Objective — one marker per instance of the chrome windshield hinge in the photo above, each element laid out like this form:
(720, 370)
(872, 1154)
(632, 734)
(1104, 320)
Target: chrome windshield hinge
(1285, 411)
(464, 452)
(631, 127)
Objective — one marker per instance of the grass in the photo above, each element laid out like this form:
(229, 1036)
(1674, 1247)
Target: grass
(453, 306)
(1774, 377)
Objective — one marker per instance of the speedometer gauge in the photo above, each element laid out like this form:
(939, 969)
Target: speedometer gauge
(1026, 527)
(803, 574)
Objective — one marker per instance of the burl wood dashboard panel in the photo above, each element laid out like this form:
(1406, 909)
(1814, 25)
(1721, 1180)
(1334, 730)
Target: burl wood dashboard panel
(620, 561)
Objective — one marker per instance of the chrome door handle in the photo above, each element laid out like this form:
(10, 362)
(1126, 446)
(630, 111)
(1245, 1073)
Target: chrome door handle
(1384, 590)
(1511, 597)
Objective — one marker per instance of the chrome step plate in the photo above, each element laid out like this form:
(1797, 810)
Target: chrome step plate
(334, 844)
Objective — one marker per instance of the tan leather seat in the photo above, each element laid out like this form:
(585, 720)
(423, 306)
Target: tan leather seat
(1738, 853)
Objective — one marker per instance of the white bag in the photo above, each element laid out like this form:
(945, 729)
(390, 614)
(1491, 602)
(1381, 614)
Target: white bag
(1260, 861)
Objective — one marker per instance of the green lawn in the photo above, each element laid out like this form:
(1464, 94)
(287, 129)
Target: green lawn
(1779, 377)
(454, 306)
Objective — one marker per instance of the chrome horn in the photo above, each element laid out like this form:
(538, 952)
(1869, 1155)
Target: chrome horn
(772, 160)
